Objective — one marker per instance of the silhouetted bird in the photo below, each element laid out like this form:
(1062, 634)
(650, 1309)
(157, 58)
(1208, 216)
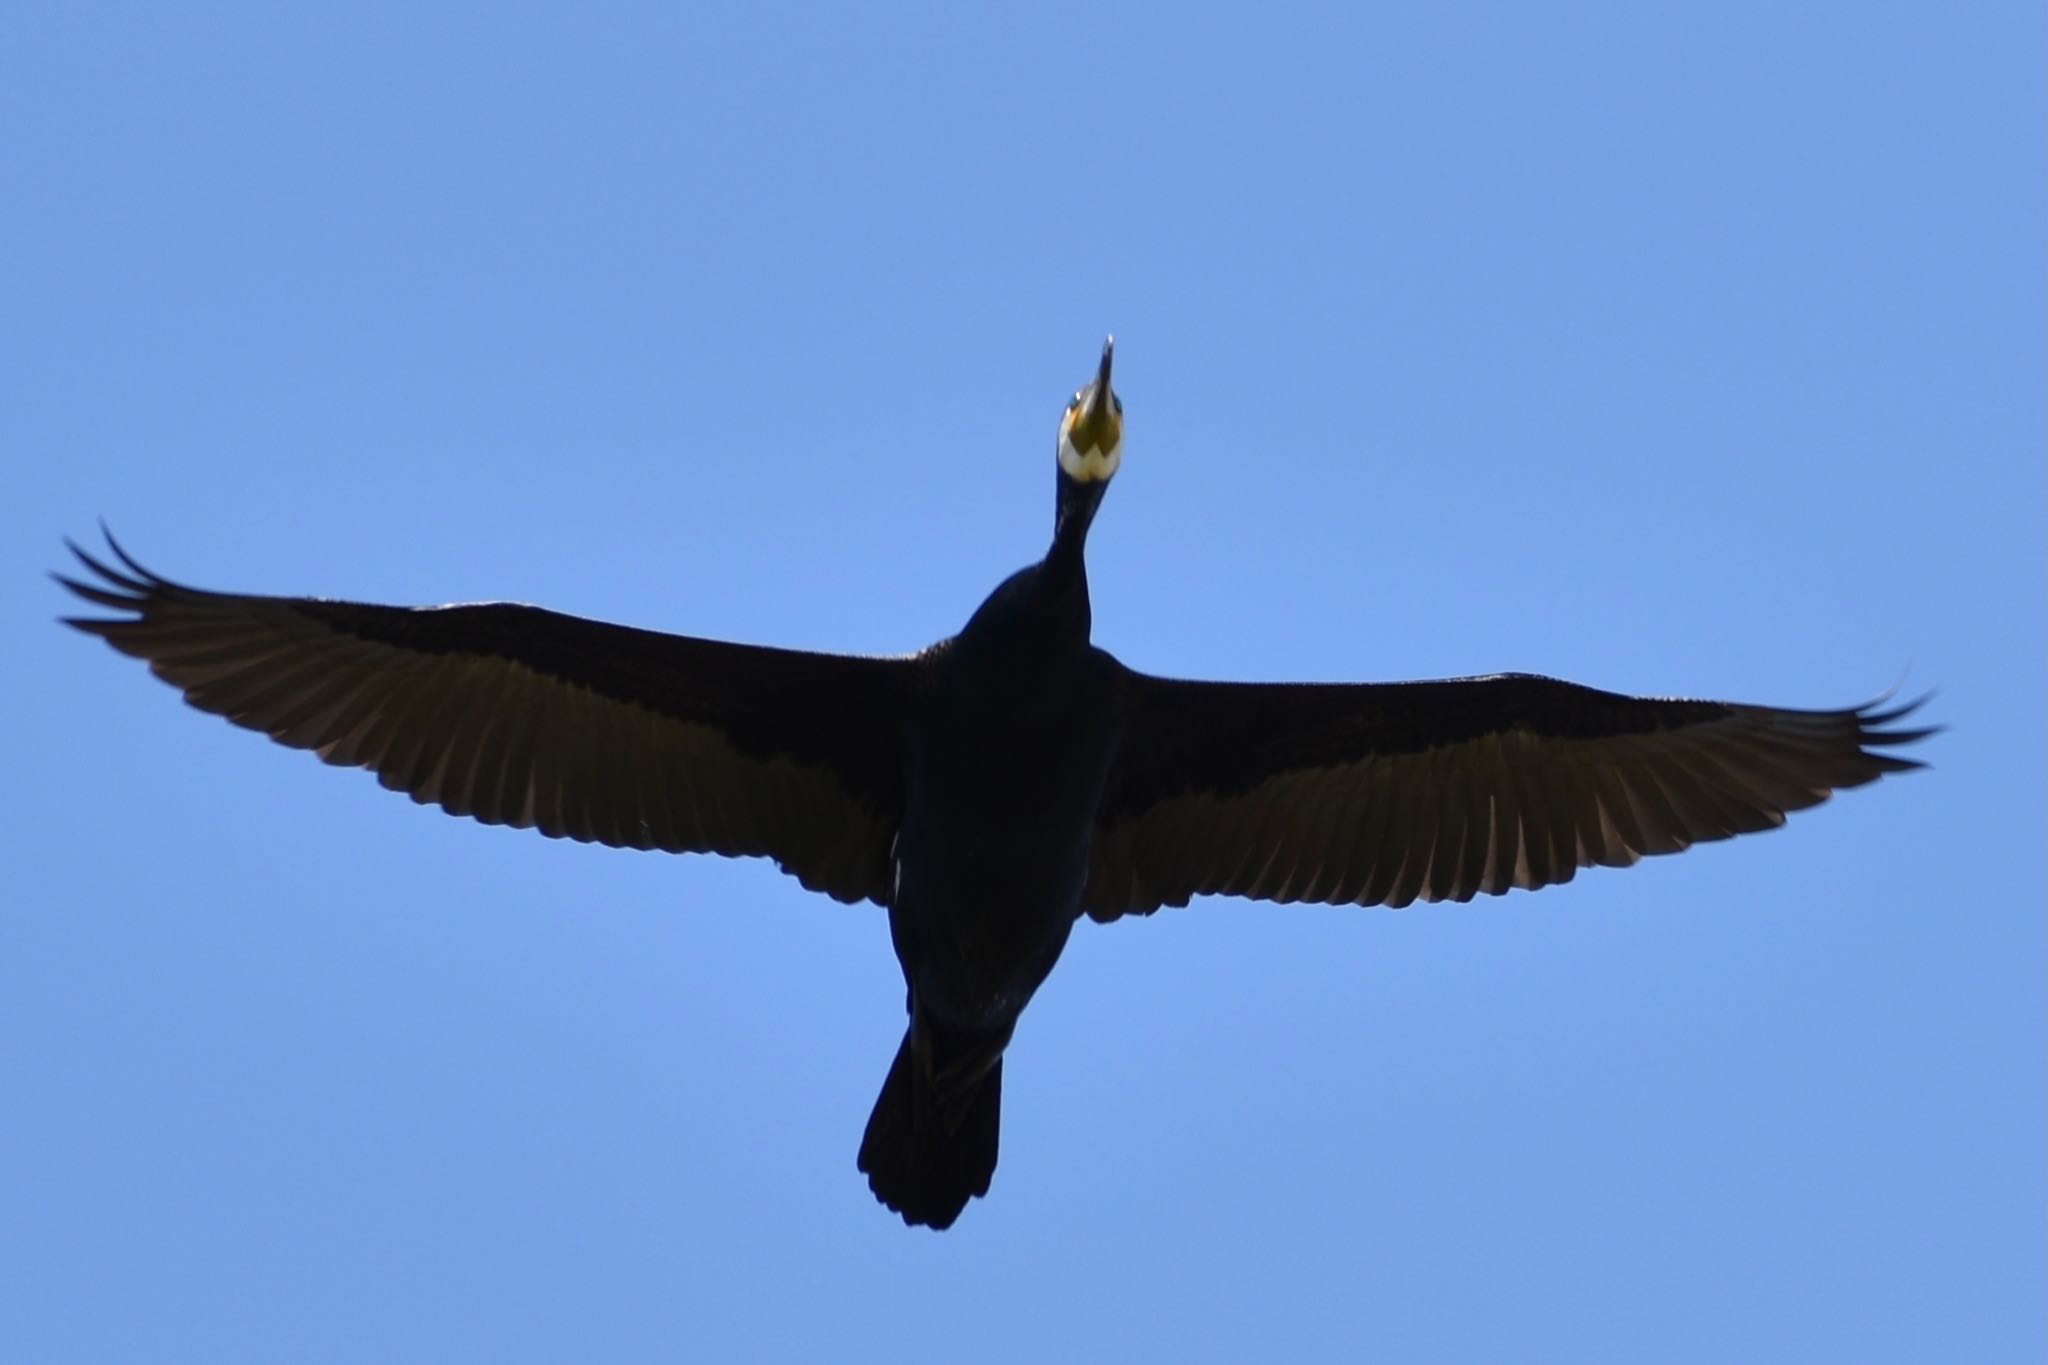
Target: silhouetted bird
(994, 788)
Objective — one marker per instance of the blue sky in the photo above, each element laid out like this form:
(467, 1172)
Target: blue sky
(1681, 348)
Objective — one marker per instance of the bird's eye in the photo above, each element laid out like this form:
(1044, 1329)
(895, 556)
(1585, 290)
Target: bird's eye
(1119, 404)
(1075, 401)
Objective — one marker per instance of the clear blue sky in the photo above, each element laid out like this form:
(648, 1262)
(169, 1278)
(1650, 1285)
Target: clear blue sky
(1673, 348)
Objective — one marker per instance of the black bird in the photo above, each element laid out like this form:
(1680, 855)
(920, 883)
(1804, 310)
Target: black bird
(994, 788)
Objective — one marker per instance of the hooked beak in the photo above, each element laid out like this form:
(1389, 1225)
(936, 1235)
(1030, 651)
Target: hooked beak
(1101, 393)
(1098, 426)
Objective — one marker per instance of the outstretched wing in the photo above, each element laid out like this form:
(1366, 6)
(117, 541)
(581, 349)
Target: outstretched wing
(1393, 793)
(524, 717)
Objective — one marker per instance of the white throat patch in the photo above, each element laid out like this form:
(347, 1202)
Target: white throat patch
(1091, 466)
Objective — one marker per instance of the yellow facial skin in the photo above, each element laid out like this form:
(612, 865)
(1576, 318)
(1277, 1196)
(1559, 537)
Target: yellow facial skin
(1092, 431)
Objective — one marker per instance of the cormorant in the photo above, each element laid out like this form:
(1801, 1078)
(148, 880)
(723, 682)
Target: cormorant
(994, 788)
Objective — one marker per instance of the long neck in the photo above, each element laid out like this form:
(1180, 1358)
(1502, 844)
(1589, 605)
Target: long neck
(1073, 515)
(1063, 577)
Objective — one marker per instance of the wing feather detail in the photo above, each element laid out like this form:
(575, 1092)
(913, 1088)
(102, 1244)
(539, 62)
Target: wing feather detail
(513, 715)
(1385, 794)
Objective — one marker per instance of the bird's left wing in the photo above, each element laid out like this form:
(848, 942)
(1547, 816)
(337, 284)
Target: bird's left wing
(1385, 794)
(524, 717)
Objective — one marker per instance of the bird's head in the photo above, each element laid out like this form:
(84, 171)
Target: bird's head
(1092, 428)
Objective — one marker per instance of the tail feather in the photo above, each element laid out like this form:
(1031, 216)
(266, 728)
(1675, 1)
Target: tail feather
(926, 1154)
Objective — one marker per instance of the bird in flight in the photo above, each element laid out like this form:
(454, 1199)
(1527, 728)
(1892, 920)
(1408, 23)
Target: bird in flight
(994, 788)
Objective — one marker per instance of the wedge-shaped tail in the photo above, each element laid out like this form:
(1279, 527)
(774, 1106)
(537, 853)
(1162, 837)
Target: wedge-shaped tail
(929, 1148)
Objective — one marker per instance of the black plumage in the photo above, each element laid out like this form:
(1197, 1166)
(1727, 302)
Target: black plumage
(994, 788)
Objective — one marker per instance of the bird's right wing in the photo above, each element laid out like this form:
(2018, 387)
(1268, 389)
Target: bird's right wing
(524, 717)
(1388, 793)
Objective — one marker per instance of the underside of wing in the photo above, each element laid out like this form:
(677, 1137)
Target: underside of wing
(519, 716)
(1386, 794)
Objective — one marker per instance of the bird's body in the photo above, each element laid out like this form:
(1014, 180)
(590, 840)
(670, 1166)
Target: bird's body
(1010, 745)
(995, 788)
(997, 822)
